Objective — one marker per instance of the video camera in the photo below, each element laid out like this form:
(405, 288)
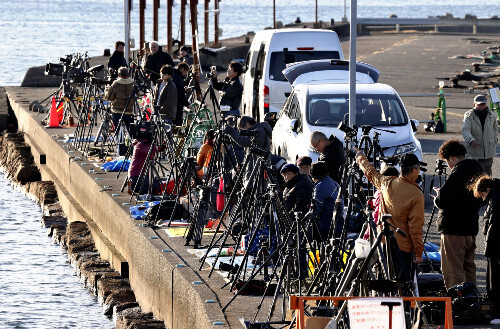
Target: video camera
(71, 68)
(142, 130)
(211, 74)
(350, 132)
(440, 167)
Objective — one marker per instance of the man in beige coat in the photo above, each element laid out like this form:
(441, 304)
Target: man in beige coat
(480, 131)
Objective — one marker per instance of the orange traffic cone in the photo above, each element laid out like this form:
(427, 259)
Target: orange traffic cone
(53, 117)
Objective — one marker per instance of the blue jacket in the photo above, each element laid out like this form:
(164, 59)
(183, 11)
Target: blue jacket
(325, 194)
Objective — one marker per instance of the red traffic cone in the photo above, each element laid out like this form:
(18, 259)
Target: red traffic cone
(53, 117)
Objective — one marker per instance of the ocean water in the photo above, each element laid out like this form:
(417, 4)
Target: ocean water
(38, 288)
(38, 31)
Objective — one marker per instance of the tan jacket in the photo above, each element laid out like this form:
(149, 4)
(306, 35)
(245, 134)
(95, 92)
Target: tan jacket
(119, 93)
(404, 201)
(487, 138)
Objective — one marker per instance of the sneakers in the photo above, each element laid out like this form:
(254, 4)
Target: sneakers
(495, 322)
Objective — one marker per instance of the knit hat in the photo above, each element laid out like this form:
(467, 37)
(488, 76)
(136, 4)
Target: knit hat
(319, 170)
(289, 167)
(304, 160)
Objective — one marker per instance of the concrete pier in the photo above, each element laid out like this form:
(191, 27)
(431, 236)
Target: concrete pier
(161, 271)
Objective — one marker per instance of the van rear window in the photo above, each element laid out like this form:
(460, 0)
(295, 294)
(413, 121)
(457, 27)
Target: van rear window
(280, 59)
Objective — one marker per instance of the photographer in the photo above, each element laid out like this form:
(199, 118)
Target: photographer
(458, 215)
(178, 79)
(156, 60)
(185, 55)
(117, 60)
(231, 88)
(403, 199)
(489, 190)
(298, 190)
(332, 152)
(120, 95)
(166, 94)
(251, 133)
(325, 193)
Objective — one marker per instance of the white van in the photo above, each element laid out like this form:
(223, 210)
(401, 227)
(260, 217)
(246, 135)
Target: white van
(265, 88)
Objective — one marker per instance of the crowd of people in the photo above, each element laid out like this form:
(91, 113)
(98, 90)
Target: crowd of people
(468, 187)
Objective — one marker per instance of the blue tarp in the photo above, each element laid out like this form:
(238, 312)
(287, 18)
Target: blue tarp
(116, 165)
(139, 212)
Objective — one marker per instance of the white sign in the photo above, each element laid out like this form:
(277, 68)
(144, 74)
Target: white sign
(495, 94)
(369, 313)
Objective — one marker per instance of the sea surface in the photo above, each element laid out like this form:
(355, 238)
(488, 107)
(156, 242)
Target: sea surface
(38, 288)
(38, 31)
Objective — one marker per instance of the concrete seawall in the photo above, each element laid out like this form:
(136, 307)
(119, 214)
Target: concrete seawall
(162, 281)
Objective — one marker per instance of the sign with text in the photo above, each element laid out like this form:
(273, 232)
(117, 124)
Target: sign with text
(495, 94)
(370, 313)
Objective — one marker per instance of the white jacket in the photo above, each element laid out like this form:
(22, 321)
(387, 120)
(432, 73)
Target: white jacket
(487, 138)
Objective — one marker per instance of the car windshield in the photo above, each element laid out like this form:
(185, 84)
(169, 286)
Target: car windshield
(375, 110)
(279, 60)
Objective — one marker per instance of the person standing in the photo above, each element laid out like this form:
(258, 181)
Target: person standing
(166, 94)
(489, 190)
(120, 94)
(331, 151)
(480, 132)
(403, 199)
(458, 217)
(185, 55)
(155, 61)
(231, 88)
(117, 59)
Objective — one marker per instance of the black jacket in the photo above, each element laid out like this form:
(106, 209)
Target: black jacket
(334, 158)
(492, 222)
(232, 89)
(458, 209)
(155, 61)
(181, 96)
(298, 194)
(117, 60)
(167, 99)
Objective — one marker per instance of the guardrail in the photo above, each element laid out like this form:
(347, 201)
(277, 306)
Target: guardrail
(397, 22)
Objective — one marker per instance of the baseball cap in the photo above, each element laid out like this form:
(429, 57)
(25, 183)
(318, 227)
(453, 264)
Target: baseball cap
(289, 167)
(410, 159)
(480, 99)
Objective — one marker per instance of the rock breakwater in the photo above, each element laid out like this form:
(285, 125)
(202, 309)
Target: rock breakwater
(112, 290)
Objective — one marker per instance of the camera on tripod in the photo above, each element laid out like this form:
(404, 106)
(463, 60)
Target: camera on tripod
(211, 74)
(142, 130)
(440, 166)
(69, 69)
(350, 132)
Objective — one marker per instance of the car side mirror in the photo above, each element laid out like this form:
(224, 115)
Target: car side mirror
(294, 125)
(414, 125)
(271, 118)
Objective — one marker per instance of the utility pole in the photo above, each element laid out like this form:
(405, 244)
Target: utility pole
(194, 32)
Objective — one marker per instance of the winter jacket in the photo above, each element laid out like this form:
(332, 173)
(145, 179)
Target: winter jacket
(404, 201)
(334, 157)
(117, 60)
(492, 222)
(487, 138)
(168, 99)
(203, 157)
(155, 61)
(458, 208)
(231, 91)
(297, 195)
(118, 93)
(181, 96)
(325, 193)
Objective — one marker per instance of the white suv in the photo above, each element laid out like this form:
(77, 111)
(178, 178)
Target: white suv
(320, 101)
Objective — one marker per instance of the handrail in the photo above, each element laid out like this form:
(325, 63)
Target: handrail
(297, 303)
